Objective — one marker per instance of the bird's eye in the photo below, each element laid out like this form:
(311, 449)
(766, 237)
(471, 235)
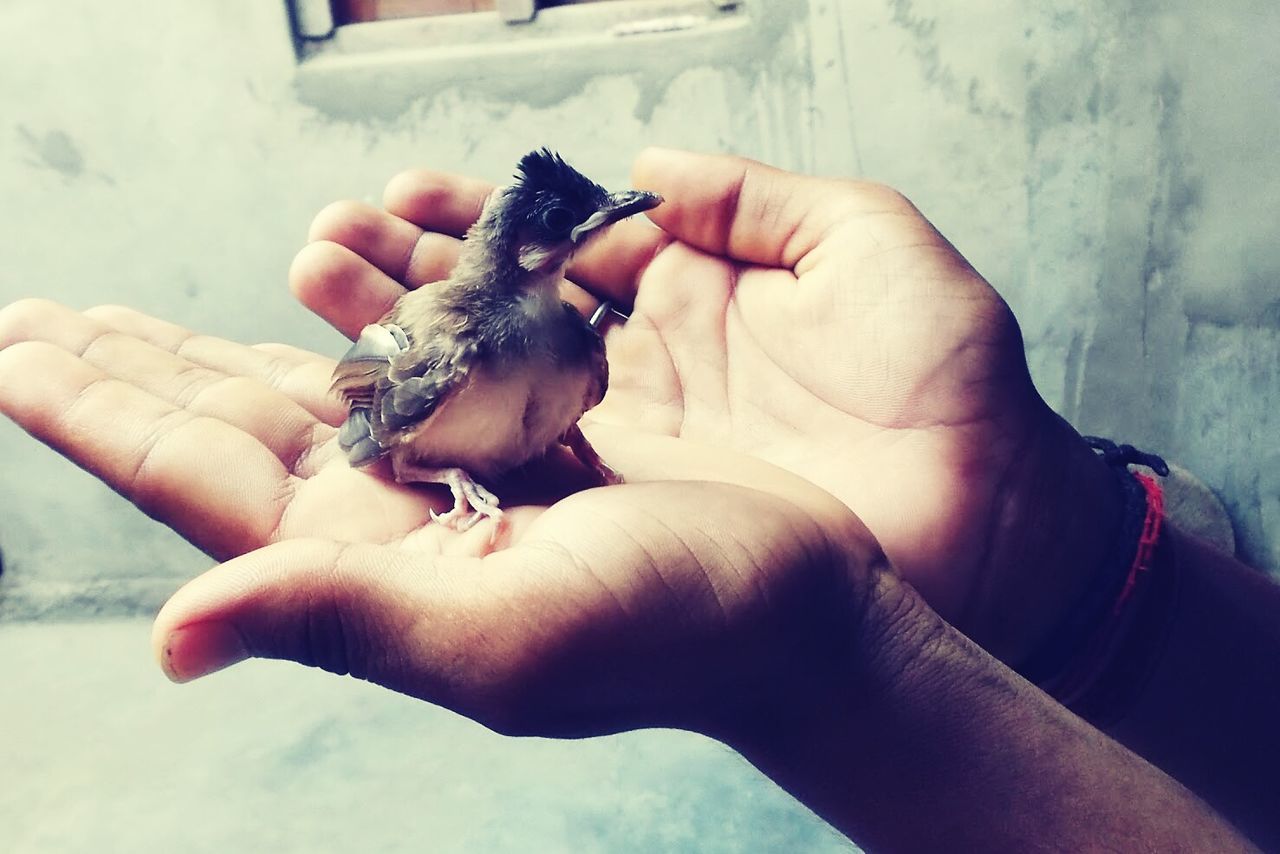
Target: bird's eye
(558, 219)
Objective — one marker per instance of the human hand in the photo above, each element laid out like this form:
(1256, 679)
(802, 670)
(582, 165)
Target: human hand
(745, 604)
(823, 326)
(713, 590)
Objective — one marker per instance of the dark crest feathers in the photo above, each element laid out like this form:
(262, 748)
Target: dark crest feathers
(543, 168)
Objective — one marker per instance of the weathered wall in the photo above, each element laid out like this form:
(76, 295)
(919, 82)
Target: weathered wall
(1109, 166)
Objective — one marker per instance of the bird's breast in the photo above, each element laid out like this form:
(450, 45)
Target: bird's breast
(506, 415)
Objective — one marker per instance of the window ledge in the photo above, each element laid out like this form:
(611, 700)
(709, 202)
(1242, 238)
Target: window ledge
(594, 21)
(377, 69)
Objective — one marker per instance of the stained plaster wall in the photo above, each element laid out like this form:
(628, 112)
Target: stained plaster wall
(1110, 166)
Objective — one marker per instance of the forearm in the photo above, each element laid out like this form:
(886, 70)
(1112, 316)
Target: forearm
(1186, 673)
(1209, 694)
(958, 753)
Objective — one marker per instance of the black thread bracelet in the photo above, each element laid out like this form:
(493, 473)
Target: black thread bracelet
(1091, 608)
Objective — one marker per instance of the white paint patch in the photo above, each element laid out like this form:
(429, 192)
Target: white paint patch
(669, 24)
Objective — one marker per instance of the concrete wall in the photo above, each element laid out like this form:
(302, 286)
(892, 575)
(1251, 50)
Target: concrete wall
(1109, 165)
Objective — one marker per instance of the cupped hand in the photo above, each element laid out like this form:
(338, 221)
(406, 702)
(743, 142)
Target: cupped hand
(713, 592)
(823, 326)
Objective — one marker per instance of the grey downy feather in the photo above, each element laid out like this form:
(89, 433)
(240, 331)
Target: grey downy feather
(354, 378)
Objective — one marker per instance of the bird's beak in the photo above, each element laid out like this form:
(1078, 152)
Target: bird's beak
(619, 207)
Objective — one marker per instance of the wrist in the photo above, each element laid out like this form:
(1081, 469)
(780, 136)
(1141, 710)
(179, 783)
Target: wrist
(933, 744)
(1057, 526)
(859, 746)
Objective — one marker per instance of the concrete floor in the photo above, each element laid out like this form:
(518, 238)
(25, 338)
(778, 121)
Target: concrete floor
(101, 754)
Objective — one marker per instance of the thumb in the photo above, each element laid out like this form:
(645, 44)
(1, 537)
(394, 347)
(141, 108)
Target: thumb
(338, 606)
(743, 209)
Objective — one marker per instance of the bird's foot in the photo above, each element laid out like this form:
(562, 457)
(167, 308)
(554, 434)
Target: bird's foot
(581, 448)
(471, 502)
(607, 475)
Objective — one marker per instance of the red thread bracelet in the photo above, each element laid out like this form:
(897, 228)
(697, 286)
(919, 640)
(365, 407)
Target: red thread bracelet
(1075, 686)
(1146, 542)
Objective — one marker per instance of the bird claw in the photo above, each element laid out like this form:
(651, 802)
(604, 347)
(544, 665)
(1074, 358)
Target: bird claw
(576, 442)
(608, 476)
(470, 521)
(460, 522)
(472, 503)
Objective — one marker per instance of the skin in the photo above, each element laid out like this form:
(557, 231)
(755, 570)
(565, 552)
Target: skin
(807, 361)
(759, 318)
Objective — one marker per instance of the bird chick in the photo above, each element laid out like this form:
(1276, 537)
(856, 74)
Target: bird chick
(468, 378)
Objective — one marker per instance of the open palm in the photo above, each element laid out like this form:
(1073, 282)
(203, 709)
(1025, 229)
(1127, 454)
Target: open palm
(822, 326)
(784, 332)
(662, 602)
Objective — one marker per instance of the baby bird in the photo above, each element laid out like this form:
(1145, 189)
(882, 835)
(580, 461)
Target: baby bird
(466, 379)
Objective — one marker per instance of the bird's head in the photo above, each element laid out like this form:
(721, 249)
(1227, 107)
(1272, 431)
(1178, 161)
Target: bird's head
(552, 210)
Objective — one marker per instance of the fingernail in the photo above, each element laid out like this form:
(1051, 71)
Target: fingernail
(200, 649)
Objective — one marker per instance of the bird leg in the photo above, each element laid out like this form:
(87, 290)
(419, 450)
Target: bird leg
(576, 442)
(467, 494)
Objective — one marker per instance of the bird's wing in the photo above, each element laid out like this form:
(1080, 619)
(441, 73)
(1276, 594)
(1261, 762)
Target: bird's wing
(391, 381)
(358, 373)
(421, 379)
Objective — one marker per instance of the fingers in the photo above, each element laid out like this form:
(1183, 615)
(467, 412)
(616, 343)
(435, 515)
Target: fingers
(299, 376)
(393, 244)
(385, 241)
(436, 201)
(748, 211)
(213, 483)
(229, 385)
(361, 260)
(342, 287)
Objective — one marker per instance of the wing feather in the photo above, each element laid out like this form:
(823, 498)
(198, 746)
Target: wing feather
(392, 381)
